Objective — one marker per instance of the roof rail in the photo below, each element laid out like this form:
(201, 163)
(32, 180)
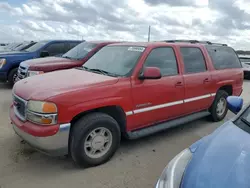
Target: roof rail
(194, 42)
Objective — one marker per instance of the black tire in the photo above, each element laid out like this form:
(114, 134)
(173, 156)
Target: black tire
(221, 94)
(11, 76)
(80, 132)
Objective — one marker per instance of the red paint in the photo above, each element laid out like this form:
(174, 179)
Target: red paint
(152, 72)
(50, 64)
(76, 91)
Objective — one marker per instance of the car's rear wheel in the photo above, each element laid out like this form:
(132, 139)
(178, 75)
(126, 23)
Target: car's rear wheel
(219, 107)
(12, 76)
(94, 139)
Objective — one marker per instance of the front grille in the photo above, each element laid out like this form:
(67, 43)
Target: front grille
(22, 72)
(19, 107)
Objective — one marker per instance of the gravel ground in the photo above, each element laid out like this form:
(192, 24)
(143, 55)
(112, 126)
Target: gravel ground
(136, 164)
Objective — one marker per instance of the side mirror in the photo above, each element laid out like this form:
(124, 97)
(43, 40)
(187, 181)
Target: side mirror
(235, 104)
(150, 73)
(44, 54)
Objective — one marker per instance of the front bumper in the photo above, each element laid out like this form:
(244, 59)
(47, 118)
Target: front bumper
(54, 145)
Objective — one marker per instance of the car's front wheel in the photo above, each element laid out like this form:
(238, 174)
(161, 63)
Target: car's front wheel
(219, 107)
(94, 139)
(12, 76)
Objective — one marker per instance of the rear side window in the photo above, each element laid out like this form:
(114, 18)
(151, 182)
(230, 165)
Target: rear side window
(164, 59)
(55, 49)
(223, 57)
(193, 58)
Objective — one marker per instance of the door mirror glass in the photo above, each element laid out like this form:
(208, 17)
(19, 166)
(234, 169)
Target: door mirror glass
(234, 104)
(44, 54)
(150, 73)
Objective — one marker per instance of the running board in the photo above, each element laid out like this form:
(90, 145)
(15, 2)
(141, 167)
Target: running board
(165, 125)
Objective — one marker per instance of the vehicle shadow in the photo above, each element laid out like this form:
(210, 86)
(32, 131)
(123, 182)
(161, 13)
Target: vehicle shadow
(37, 162)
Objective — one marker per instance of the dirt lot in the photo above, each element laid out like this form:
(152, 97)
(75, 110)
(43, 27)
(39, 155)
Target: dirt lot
(136, 164)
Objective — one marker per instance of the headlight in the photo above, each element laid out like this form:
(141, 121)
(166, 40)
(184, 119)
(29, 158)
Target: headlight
(172, 175)
(42, 112)
(33, 73)
(2, 62)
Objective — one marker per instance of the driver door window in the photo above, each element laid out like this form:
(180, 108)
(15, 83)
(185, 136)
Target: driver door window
(164, 59)
(55, 49)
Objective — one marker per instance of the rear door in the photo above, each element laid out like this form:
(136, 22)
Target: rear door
(197, 79)
(161, 99)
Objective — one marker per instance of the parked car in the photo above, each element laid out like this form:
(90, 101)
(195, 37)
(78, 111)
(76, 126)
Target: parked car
(76, 57)
(245, 61)
(10, 47)
(220, 159)
(125, 89)
(24, 46)
(9, 61)
(18, 47)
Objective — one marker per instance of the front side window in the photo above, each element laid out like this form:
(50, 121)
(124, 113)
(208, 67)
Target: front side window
(80, 51)
(117, 60)
(164, 59)
(193, 59)
(55, 48)
(223, 57)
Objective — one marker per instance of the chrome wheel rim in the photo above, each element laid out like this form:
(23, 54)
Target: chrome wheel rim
(221, 107)
(14, 77)
(98, 142)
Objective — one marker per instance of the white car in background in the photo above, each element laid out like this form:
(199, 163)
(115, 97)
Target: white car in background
(245, 61)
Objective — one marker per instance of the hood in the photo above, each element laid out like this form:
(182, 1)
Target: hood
(50, 63)
(41, 87)
(13, 53)
(222, 160)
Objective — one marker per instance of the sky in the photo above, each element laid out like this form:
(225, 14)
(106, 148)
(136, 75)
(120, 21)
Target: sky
(222, 21)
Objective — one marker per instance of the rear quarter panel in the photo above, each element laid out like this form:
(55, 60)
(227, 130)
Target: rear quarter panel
(233, 77)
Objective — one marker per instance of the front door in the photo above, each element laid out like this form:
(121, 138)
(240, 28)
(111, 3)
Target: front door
(162, 99)
(197, 79)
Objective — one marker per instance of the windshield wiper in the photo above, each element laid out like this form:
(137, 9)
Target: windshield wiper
(101, 71)
(245, 121)
(67, 57)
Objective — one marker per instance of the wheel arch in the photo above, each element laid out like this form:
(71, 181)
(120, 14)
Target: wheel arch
(228, 88)
(114, 111)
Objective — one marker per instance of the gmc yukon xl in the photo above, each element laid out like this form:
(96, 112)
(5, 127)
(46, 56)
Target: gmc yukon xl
(125, 89)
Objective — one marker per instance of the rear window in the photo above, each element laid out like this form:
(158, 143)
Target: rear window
(223, 57)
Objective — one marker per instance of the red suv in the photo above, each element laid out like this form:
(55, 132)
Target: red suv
(76, 57)
(125, 89)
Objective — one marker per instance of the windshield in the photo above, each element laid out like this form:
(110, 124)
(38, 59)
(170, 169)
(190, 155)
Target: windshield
(15, 46)
(36, 47)
(117, 60)
(245, 60)
(80, 51)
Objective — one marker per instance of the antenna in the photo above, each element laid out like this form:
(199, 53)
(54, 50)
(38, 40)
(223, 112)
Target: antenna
(149, 32)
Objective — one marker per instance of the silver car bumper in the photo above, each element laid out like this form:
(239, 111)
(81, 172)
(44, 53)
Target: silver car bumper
(56, 145)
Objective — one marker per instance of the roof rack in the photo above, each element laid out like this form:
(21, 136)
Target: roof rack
(194, 42)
